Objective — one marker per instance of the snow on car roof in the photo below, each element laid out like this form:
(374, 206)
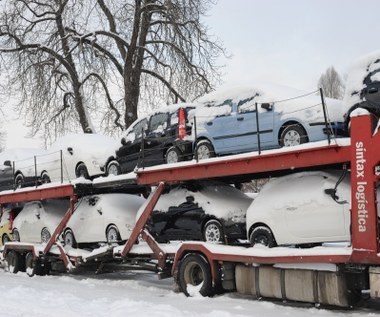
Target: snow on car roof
(17, 154)
(95, 145)
(358, 71)
(288, 100)
(215, 198)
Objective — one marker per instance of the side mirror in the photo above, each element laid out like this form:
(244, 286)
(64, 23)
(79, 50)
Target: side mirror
(70, 150)
(8, 163)
(267, 106)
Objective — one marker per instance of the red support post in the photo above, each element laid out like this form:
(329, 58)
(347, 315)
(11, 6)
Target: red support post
(364, 158)
(140, 224)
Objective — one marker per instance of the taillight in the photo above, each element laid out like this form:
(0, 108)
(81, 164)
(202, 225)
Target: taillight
(181, 123)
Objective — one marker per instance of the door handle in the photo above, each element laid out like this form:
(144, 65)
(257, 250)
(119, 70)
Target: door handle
(209, 123)
(240, 119)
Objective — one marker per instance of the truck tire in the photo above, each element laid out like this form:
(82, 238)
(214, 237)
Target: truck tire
(194, 275)
(14, 261)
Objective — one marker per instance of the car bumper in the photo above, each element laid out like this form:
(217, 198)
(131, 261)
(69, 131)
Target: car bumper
(235, 231)
(186, 148)
(336, 129)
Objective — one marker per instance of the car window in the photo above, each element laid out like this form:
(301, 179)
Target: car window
(158, 122)
(174, 118)
(137, 130)
(247, 105)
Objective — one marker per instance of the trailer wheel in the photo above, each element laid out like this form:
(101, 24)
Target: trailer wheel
(262, 235)
(194, 275)
(213, 231)
(14, 261)
(33, 266)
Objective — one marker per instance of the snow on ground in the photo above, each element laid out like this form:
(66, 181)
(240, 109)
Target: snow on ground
(133, 294)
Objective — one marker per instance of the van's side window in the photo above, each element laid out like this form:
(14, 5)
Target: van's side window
(247, 105)
(221, 109)
(174, 118)
(139, 128)
(158, 122)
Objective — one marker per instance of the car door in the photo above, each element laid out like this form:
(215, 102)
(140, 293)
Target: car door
(249, 132)
(319, 216)
(89, 215)
(129, 153)
(31, 222)
(155, 139)
(179, 222)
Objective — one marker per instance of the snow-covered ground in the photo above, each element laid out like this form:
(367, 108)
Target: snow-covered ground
(134, 294)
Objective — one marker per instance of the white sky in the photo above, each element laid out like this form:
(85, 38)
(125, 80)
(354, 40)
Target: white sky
(289, 42)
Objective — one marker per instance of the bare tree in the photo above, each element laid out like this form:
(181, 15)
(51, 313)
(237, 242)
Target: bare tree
(40, 61)
(159, 48)
(70, 58)
(331, 83)
(2, 140)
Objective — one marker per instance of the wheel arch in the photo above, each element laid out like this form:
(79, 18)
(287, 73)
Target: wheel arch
(79, 163)
(202, 138)
(258, 224)
(289, 123)
(112, 224)
(167, 146)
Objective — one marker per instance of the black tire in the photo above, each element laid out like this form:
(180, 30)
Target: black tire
(69, 239)
(112, 234)
(81, 171)
(204, 150)
(5, 238)
(45, 178)
(213, 231)
(262, 235)
(45, 235)
(33, 266)
(293, 135)
(173, 155)
(14, 261)
(19, 180)
(113, 168)
(16, 235)
(195, 270)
